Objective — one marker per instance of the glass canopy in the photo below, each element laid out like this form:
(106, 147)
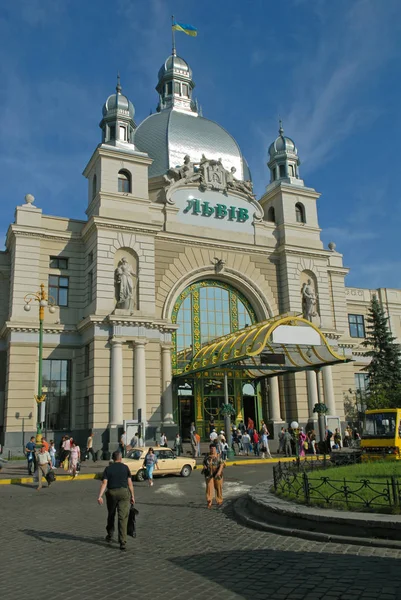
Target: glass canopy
(282, 344)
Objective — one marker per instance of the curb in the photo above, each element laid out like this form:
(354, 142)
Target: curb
(88, 476)
(25, 480)
(242, 515)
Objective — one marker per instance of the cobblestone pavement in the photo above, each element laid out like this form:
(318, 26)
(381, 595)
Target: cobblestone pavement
(52, 544)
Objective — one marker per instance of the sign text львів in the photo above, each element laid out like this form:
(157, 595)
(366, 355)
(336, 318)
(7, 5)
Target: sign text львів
(220, 211)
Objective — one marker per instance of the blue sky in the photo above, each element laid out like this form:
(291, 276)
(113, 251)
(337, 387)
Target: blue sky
(330, 69)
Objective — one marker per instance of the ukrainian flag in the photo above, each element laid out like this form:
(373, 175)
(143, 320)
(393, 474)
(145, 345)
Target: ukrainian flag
(188, 29)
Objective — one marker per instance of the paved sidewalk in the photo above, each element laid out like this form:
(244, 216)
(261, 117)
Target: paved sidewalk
(182, 549)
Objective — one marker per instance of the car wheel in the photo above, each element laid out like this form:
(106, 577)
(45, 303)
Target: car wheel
(140, 476)
(186, 471)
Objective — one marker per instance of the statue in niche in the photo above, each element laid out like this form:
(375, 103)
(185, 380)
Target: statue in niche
(126, 281)
(309, 300)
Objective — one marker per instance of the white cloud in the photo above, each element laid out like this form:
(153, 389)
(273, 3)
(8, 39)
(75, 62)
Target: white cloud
(325, 100)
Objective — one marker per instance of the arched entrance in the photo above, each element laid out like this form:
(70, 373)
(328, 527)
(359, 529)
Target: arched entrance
(204, 311)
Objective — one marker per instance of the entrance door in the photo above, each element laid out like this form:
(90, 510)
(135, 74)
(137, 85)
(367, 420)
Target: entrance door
(187, 416)
(249, 403)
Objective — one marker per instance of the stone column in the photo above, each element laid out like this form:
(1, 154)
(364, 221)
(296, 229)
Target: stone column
(312, 393)
(274, 397)
(167, 391)
(116, 377)
(328, 390)
(140, 379)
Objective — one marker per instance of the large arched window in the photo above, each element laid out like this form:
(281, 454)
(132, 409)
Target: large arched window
(204, 311)
(124, 182)
(300, 213)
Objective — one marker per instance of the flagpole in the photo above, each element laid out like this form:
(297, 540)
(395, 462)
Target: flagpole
(173, 35)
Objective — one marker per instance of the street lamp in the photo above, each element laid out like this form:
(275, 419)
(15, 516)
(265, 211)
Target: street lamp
(43, 300)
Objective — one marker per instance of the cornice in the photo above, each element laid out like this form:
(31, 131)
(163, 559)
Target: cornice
(18, 230)
(202, 242)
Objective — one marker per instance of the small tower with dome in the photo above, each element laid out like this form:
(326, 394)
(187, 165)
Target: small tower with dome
(287, 203)
(283, 159)
(118, 122)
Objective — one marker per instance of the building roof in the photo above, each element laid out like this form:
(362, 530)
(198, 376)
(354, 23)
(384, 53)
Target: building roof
(169, 135)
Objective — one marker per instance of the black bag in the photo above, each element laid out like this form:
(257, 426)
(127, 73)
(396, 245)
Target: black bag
(50, 476)
(131, 526)
(78, 467)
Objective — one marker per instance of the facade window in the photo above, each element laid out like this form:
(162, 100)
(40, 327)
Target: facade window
(169, 88)
(58, 289)
(112, 130)
(291, 170)
(123, 134)
(85, 411)
(274, 174)
(57, 378)
(90, 286)
(361, 383)
(282, 170)
(58, 263)
(300, 213)
(208, 310)
(185, 91)
(94, 186)
(86, 360)
(356, 326)
(177, 89)
(90, 258)
(124, 182)
(271, 217)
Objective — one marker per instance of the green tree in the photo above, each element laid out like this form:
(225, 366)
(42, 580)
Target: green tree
(384, 369)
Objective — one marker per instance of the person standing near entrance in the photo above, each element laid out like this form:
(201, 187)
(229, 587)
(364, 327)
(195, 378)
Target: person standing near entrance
(213, 467)
(287, 439)
(120, 492)
(123, 443)
(30, 455)
(178, 445)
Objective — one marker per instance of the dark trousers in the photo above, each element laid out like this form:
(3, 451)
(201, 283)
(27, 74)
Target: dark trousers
(90, 451)
(31, 465)
(118, 501)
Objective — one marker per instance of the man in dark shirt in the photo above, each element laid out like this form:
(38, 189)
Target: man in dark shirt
(30, 454)
(117, 479)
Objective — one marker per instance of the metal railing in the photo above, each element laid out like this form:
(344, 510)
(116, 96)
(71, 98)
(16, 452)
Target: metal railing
(295, 481)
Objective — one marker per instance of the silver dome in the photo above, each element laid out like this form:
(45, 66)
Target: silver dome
(282, 144)
(169, 135)
(175, 63)
(118, 102)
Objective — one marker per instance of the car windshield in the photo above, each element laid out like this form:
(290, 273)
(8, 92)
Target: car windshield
(380, 425)
(135, 454)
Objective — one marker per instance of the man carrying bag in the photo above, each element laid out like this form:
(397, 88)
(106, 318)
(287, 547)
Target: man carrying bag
(120, 492)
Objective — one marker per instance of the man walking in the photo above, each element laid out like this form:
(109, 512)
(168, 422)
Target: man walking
(89, 447)
(120, 491)
(30, 455)
(44, 462)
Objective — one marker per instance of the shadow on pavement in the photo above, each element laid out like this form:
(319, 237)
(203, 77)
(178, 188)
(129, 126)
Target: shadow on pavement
(47, 536)
(264, 573)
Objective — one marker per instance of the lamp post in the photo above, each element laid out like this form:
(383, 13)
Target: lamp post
(43, 300)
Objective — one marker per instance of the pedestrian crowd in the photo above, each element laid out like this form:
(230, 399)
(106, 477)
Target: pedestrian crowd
(44, 457)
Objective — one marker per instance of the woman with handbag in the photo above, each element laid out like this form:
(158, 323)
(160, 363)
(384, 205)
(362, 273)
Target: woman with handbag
(213, 467)
(149, 463)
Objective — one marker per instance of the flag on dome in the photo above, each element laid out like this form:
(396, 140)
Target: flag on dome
(188, 29)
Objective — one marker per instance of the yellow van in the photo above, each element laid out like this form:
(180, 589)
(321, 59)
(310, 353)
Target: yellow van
(381, 435)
